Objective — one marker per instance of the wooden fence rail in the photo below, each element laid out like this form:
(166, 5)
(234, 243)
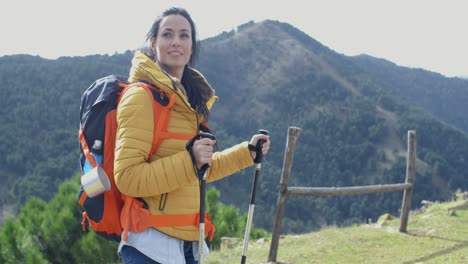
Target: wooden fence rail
(336, 191)
(407, 187)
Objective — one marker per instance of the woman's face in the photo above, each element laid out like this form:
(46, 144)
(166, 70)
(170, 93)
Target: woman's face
(173, 44)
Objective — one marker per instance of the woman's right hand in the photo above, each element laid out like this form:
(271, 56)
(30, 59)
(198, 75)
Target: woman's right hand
(202, 151)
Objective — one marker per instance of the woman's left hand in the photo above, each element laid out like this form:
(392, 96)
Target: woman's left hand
(265, 147)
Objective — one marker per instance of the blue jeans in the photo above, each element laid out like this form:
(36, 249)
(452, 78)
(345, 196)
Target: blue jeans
(131, 255)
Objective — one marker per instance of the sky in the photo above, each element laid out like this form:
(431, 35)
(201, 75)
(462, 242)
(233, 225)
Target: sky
(428, 34)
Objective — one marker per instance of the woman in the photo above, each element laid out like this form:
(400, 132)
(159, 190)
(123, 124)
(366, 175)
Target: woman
(167, 181)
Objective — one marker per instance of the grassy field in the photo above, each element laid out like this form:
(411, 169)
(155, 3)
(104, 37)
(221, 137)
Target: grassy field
(436, 234)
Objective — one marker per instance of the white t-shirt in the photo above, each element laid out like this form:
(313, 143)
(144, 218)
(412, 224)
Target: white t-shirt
(161, 247)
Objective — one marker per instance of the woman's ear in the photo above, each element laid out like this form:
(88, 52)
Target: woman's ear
(153, 44)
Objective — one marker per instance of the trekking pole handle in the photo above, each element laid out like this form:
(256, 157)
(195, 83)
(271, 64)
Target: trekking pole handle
(206, 135)
(259, 146)
(207, 165)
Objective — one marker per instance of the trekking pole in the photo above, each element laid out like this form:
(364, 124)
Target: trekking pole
(204, 168)
(258, 161)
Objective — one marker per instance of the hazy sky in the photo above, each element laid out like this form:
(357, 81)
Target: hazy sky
(429, 34)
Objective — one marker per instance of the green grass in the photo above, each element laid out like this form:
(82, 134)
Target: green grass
(434, 236)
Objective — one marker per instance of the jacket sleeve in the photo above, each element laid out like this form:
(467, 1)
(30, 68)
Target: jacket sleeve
(229, 161)
(134, 175)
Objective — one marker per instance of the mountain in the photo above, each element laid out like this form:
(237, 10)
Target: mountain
(354, 113)
(354, 129)
(442, 97)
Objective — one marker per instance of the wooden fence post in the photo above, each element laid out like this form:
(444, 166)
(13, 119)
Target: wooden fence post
(410, 171)
(293, 135)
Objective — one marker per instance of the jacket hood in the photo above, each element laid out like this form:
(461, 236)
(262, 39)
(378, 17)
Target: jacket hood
(144, 69)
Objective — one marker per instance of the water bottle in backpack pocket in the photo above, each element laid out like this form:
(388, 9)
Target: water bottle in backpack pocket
(96, 151)
(95, 180)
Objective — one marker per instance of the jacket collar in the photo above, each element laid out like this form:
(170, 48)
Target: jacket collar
(144, 69)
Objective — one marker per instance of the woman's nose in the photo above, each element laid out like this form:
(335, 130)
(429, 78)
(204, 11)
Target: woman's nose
(176, 42)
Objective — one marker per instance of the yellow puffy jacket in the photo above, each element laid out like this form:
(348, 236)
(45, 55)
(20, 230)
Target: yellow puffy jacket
(167, 182)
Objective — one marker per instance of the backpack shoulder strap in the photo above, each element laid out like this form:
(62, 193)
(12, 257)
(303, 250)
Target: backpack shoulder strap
(161, 115)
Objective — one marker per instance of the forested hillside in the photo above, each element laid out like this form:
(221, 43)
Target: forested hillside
(445, 98)
(354, 113)
(39, 120)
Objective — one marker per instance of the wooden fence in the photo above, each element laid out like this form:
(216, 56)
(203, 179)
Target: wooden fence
(407, 187)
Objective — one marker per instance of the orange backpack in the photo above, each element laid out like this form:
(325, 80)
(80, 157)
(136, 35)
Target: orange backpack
(111, 213)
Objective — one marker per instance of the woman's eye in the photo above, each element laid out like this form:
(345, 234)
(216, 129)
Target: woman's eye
(166, 34)
(185, 36)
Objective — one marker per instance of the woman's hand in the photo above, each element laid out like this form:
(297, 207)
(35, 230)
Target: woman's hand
(202, 151)
(266, 144)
